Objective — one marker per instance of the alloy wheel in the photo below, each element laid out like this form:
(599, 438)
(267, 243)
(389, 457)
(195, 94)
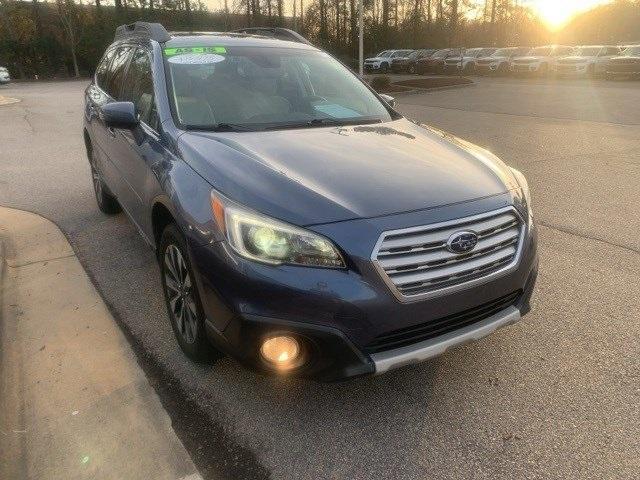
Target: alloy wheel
(180, 293)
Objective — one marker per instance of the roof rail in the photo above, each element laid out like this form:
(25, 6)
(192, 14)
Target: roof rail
(152, 31)
(275, 32)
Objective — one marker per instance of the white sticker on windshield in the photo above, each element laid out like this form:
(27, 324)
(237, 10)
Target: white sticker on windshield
(196, 59)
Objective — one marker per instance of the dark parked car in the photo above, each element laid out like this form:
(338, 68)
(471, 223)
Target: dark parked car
(435, 63)
(626, 65)
(408, 64)
(300, 223)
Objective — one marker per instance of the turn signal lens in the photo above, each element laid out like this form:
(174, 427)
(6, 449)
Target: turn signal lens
(283, 352)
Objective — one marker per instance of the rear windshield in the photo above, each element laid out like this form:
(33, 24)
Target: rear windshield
(255, 88)
(588, 51)
(631, 52)
(541, 51)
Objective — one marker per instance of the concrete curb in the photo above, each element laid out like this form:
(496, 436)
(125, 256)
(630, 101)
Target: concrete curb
(8, 100)
(74, 403)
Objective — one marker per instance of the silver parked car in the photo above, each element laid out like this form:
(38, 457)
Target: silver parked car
(4, 75)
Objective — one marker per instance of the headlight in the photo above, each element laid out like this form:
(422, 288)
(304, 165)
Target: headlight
(264, 239)
(524, 185)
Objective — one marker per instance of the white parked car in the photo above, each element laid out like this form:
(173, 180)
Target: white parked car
(4, 75)
(466, 62)
(382, 62)
(500, 60)
(540, 60)
(588, 60)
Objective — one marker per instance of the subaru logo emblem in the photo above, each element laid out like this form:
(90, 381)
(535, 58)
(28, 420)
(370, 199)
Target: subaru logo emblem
(462, 242)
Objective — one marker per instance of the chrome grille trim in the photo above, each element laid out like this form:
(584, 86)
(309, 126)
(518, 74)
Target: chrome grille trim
(415, 263)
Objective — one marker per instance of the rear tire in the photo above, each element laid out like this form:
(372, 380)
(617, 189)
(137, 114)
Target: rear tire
(181, 297)
(107, 202)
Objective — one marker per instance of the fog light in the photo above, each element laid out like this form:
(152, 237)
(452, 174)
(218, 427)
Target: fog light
(283, 352)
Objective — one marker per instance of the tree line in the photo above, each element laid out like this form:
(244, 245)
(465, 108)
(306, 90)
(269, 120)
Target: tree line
(66, 37)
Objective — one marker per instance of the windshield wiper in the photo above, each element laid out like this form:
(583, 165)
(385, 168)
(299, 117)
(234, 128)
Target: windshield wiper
(232, 127)
(324, 122)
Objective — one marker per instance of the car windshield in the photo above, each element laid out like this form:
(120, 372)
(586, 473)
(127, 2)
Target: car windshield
(249, 88)
(403, 53)
(631, 52)
(473, 52)
(502, 52)
(588, 51)
(385, 53)
(440, 53)
(541, 51)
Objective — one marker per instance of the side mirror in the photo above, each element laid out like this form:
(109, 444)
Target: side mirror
(119, 115)
(389, 99)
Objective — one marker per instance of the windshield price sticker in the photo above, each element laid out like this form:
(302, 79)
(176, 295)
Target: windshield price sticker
(196, 59)
(169, 52)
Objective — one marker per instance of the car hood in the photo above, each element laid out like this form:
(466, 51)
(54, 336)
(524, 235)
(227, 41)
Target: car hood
(625, 59)
(492, 59)
(529, 58)
(321, 175)
(576, 59)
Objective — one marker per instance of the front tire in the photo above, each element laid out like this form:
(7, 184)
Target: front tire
(181, 297)
(107, 202)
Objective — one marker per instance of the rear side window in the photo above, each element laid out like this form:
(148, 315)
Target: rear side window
(117, 71)
(138, 87)
(103, 69)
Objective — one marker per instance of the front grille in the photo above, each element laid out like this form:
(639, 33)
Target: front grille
(428, 330)
(416, 261)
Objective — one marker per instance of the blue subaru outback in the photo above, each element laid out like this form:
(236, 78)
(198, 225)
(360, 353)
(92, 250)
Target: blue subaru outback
(301, 224)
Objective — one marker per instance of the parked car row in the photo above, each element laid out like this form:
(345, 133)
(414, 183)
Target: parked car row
(560, 60)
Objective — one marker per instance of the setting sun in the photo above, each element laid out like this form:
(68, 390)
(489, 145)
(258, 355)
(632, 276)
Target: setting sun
(556, 13)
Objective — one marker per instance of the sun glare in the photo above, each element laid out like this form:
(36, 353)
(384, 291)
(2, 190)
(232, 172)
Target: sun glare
(556, 13)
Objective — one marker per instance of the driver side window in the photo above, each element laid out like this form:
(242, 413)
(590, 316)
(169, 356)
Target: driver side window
(139, 88)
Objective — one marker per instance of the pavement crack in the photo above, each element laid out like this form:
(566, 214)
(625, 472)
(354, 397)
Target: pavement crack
(43, 260)
(575, 233)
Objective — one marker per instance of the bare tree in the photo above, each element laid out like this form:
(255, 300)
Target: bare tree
(68, 15)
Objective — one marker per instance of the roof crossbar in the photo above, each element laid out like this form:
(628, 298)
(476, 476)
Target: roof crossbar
(152, 31)
(275, 32)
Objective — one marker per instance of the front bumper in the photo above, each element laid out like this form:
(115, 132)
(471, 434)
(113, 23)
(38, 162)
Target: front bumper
(338, 314)
(525, 67)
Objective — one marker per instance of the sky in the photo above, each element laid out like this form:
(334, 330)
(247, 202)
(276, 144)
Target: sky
(554, 12)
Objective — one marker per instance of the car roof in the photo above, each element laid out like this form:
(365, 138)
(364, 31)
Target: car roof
(222, 39)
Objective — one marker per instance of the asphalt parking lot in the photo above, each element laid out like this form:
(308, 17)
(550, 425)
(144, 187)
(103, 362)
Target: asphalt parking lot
(555, 396)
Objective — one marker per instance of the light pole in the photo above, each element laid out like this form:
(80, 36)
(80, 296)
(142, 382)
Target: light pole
(360, 37)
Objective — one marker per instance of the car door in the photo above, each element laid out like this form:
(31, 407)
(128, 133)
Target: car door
(143, 147)
(606, 54)
(114, 146)
(95, 98)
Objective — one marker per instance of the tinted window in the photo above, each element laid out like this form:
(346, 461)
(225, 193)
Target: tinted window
(138, 87)
(117, 71)
(103, 68)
